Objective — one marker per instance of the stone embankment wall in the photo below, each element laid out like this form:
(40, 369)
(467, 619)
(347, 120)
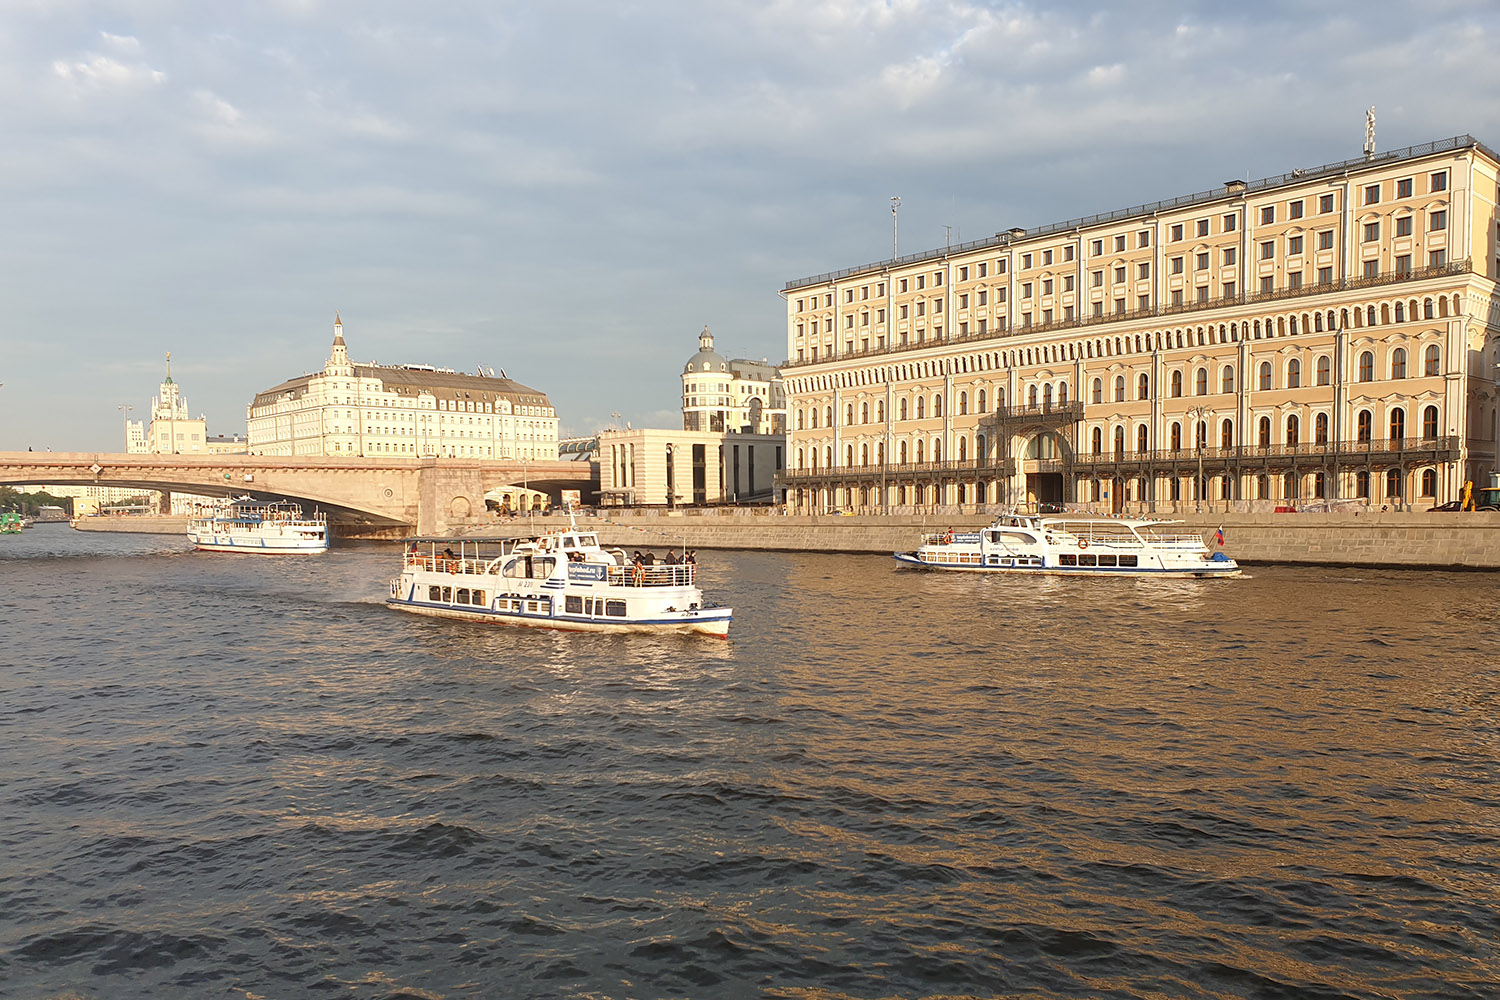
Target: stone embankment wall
(137, 525)
(1392, 538)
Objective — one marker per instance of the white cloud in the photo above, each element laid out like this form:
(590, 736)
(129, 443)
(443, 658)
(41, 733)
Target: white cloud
(99, 73)
(1107, 76)
(121, 43)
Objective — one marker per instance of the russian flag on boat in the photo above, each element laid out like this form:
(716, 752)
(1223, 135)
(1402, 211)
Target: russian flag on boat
(1219, 537)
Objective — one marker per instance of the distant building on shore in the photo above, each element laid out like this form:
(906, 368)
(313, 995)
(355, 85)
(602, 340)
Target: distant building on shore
(410, 411)
(172, 430)
(1325, 334)
(731, 444)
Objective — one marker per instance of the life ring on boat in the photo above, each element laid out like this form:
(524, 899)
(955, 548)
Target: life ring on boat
(1083, 543)
(948, 538)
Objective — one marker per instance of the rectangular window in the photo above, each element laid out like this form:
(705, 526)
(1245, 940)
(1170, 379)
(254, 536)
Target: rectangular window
(1120, 306)
(1229, 256)
(1000, 266)
(1068, 252)
(1230, 222)
(903, 284)
(1176, 232)
(1437, 221)
(1025, 289)
(1403, 264)
(1268, 250)
(1143, 271)
(1294, 280)
(1143, 238)
(982, 268)
(1046, 258)
(1372, 232)
(1098, 308)
(1266, 284)
(1120, 274)
(1177, 296)
(1096, 248)
(1325, 275)
(1202, 293)
(1438, 181)
(1119, 244)
(1025, 261)
(1294, 245)
(1143, 302)
(1177, 264)
(1067, 282)
(1294, 209)
(1047, 286)
(1267, 215)
(1371, 268)
(1202, 227)
(1325, 240)
(1325, 203)
(1437, 258)
(937, 278)
(1403, 226)
(1098, 279)
(1403, 188)
(1229, 289)
(1202, 261)
(1372, 194)
(963, 274)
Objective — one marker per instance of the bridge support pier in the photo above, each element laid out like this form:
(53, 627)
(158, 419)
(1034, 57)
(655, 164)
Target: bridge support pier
(447, 496)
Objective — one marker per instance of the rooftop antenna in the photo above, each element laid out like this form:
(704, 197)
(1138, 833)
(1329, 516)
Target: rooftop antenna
(895, 223)
(1370, 133)
(947, 236)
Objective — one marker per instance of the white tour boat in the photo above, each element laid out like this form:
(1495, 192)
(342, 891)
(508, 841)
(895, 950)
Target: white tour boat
(1067, 545)
(563, 580)
(246, 525)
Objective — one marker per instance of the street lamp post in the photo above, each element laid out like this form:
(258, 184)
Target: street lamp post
(125, 409)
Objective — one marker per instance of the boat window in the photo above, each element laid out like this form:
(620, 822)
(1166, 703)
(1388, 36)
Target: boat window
(573, 605)
(463, 595)
(448, 594)
(1106, 560)
(434, 593)
(1067, 559)
(516, 568)
(1129, 561)
(478, 598)
(615, 609)
(1088, 560)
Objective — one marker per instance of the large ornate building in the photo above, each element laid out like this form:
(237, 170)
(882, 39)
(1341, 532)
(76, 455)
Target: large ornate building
(738, 395)
(369, 410)
(172, 429)
(1327, 333)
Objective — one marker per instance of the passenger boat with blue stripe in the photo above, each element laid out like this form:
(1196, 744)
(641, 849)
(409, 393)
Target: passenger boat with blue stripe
(1064, 545)
(563, 580)
(245, 525)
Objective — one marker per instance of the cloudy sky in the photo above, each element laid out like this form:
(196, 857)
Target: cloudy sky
(572, 190)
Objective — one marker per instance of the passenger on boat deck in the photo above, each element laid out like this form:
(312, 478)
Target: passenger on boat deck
(691, 557)
(948, 537)
(648, 559)
(672, 559)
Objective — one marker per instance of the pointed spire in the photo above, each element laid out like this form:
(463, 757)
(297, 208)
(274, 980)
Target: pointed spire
(169, 367)
(338, 331)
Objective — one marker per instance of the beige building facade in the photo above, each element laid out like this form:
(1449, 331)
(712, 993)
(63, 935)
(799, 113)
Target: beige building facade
(731, 395)
(1328, 334)
(172, 430)
(413, 411)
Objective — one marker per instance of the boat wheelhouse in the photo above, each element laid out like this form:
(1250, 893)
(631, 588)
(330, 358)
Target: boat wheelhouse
(244, 525)
(563, 580)
(1068, 546)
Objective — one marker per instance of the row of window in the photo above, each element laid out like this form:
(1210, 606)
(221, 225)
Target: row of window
(1291, 426)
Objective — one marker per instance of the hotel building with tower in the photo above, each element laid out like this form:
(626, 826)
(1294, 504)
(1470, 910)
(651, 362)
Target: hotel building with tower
(412, 411)
(1325, 334)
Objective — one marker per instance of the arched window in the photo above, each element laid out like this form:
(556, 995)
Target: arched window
(829, 455)
(1226, 379)
(902, 452)
(1062, 394)
(1119, 388)
(1140, 438)
(1393, 484)
(799, 421)
(1176, 436)
(848, 456)
(1398, 424)
(1143, 386)
(1226, 434)
(921, 407)
(828, 417)
(1362, 482)
(1293, 374)
(1427, 309)
(921, 452)
(1265, 374)
(864, 454)
(1098, 440)
(1430, 423)
(1265, 432)
(903, 409)
(1031, 396)
(937, 450)
(1429, 482)
(1430, 360)
(963, 449)
(1324, 369)
(1364, 426)
(1200, 382)
(815, 417)
(1320, 429)
(937, 406)
(1120, 442)
(1098, 390)
(1176, 384)
(1200, 434)
(981, 452)
(1047, 396)
(801, 459)
(1293, 426)
(880, 411)
(849, 414)
(1398, 363)
(981, 401)
(1367, 367)
(963, 403)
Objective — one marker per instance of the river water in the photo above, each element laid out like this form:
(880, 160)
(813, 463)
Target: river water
(226, 776)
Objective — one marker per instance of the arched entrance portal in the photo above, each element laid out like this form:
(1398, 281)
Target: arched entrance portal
(1041, 466)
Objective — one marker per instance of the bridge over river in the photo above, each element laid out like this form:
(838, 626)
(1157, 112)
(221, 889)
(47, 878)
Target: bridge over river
(360, 495)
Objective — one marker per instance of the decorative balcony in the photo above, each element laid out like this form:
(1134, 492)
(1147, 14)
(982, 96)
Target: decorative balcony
(967, 471)
(1250, 458)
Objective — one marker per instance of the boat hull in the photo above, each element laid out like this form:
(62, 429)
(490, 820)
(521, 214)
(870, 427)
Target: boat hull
(1208, 570)
(708, 621)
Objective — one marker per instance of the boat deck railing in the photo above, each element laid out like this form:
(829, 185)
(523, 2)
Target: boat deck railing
(659, 575)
